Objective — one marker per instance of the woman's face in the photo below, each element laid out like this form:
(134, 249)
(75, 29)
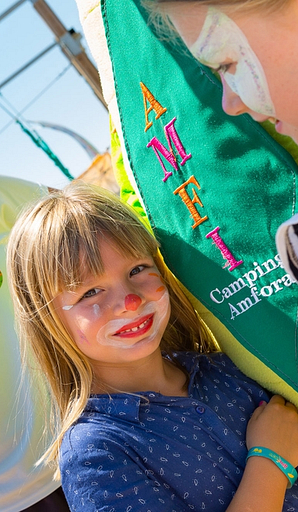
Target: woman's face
(256, 55)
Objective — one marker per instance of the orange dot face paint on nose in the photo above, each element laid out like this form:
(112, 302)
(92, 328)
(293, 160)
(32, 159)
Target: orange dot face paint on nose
(132, 302)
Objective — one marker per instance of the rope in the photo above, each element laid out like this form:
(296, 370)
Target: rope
(39, 142)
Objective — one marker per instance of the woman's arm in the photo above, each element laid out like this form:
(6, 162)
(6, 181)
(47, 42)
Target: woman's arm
(263, 485)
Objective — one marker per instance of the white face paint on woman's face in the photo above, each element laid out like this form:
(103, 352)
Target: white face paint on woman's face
(222, 41)
(269, 62)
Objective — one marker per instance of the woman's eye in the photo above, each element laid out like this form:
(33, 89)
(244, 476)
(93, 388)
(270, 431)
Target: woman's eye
(137, 270)
(223, 68)
(91, 293)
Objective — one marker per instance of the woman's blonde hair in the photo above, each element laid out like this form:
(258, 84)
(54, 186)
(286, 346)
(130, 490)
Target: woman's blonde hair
(45, 251)
(160, 19)
(265, 5)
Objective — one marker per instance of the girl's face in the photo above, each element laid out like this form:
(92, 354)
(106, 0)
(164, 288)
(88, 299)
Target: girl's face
(119, 316)
(256, 55)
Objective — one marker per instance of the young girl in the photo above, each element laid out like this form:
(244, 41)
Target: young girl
(151, 417)
(254, 47)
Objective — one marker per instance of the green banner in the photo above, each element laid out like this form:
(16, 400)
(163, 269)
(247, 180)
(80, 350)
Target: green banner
(215, 187)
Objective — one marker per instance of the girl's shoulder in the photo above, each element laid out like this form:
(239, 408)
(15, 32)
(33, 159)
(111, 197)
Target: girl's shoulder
(216, 367)
(192, 361)
(216, 375)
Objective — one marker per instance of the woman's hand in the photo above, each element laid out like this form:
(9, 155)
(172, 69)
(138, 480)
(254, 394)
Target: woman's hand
(275, 426)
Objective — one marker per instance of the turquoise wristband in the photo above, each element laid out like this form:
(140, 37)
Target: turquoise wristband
(281, 463)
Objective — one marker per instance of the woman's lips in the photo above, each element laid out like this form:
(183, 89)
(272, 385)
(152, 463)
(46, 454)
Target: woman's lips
(137, 328)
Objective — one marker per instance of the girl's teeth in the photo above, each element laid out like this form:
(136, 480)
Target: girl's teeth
(134, 329)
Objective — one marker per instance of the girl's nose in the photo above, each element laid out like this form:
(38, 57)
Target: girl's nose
(232, 104)
(132, 302)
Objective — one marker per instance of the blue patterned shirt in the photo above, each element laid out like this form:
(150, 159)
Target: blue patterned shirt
(154, 453)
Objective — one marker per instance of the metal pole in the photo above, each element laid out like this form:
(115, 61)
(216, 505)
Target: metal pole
(28, 64)
(69, 44)
(71, 47)
(11, 9)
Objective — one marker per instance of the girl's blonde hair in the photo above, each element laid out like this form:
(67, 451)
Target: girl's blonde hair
(45, 250)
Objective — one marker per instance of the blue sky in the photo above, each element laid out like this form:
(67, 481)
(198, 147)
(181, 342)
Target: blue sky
(68, 99)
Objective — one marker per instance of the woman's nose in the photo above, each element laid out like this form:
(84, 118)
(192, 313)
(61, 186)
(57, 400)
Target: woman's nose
(232, 104)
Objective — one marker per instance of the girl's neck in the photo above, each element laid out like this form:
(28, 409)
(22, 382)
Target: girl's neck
(153, 373)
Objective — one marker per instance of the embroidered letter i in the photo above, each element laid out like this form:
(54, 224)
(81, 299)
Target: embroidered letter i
(224, 249)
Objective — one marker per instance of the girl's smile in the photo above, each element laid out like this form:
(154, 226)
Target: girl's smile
(137, 328)
(121, 314)
(143, 328)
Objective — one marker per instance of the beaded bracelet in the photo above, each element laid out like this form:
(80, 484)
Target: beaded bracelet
(281, 463)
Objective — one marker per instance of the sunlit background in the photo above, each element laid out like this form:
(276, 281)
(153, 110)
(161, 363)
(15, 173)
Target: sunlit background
(49, 91)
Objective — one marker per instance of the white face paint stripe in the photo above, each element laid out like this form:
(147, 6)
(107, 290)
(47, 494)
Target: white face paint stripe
(96, 310)
(159, 307)
(222, 41)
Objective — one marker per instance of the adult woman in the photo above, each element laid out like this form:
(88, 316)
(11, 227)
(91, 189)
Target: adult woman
(254, 47)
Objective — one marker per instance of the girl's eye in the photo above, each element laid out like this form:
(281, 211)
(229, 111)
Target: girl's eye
(91, 293)
(136, 270)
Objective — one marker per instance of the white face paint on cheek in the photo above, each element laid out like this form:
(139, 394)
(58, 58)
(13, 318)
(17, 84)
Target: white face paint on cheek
(160, 308)
(81, 321)
(221, 41)
(67, 308)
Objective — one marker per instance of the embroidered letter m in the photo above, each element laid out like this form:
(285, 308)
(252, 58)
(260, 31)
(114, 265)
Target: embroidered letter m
(168, 154)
